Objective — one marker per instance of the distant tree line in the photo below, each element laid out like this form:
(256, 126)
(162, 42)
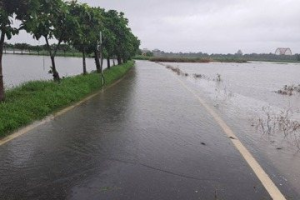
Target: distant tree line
(250, 57)
(35, 49)
(70, 24)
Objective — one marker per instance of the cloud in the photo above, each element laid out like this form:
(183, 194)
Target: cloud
(215, 26)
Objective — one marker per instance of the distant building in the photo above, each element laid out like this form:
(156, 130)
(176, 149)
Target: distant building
(283, 51)
(157, 52)
(239, 52)
(145, 51)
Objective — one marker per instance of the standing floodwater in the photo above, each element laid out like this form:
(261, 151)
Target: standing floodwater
(260, 101)
(249, 85)
(22, 68)
(147, 137)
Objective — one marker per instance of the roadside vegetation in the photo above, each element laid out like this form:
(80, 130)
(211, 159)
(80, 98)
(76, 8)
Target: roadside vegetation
(67, 26)
(142, 57)
(36, 99)
(179, 72)
(289, 90)
(280, 125)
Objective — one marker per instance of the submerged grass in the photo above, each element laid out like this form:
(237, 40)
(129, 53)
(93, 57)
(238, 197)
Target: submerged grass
(36, 99)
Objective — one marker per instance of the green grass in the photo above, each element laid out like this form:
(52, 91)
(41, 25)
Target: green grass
(141, 57)
(36, 99)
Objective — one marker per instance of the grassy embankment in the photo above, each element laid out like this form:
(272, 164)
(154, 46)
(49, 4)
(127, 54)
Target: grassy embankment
(141, 57)
(37, 99)
(195, 60)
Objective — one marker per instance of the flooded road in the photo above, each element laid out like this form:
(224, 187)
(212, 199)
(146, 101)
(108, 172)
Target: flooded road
(246, 97)
(145, 138)
(249, 85)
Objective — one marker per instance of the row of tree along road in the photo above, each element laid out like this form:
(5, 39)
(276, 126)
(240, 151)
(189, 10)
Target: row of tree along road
(88, 29)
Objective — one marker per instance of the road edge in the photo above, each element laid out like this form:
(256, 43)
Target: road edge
(58, 113)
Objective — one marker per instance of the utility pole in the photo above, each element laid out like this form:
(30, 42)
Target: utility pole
(2, 94)
(100, 49)
(101, 53)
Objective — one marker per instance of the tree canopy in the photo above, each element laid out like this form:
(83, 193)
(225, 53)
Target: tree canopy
(68, 22)
(9, 9)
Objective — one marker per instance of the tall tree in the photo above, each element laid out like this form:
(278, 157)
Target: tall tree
(84, 37)
(118, 27)
(97, 21)
(98, 15)
(49, 20)
(8, 10)
(123, 43)
(109, 37)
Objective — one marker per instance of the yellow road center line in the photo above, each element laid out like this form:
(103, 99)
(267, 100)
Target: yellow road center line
(36, 124)
(255, 166)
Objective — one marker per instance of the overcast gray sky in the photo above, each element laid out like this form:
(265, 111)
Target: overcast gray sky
(211, 26)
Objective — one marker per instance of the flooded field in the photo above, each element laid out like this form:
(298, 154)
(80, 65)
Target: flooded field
(18, 69)
(250, 86)
(260, 101)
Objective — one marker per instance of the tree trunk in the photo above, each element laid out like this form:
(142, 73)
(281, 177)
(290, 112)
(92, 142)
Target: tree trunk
(54, 71)
(97, 62)
(101, 59)
(2, 93)
(101, 63)
(52, 56)
(84, 62)
(119, 60)
(108, 62)
(114, 63)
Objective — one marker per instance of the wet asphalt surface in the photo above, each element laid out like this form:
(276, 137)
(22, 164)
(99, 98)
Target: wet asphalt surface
(145, 138)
